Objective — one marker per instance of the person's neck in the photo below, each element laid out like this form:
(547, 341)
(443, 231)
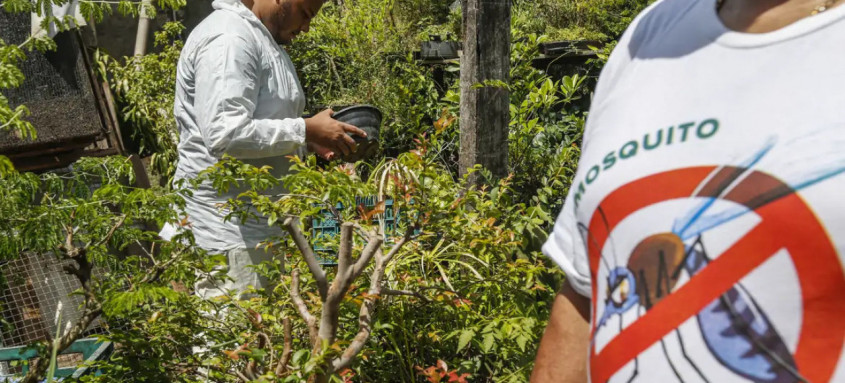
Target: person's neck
(761, 16)
(256, 8)
(253, 6)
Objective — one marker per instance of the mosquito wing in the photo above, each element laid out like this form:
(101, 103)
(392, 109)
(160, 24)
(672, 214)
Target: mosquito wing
(805, 162)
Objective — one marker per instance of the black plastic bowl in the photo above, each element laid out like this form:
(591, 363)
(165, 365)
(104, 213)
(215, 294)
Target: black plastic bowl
(368, 119)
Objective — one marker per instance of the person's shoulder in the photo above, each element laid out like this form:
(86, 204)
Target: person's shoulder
(663, 14)
(662, 21)
(221, 26)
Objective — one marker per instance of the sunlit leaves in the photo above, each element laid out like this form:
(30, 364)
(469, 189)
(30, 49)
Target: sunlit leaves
(121, 303)
(144, 88)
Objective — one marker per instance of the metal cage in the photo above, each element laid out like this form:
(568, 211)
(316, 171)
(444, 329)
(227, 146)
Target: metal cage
(32, 288)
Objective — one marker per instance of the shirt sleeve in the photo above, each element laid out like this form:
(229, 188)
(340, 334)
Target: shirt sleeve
(566, 242)
(565, 246)
(227, 83)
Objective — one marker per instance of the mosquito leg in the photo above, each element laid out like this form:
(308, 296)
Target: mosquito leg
(588, 238)
(684, 352)
(668, 359)
(698, 241)
(637, 359)
(636, 370)
(645, 298)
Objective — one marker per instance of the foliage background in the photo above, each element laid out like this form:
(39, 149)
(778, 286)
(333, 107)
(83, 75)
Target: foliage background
(482, 288)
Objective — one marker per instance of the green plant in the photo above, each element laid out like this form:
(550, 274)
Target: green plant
(465, 296)
(603, 20)
(428, 295)
(362, 54)
(545, 127)
(144, 88)
(90, 228)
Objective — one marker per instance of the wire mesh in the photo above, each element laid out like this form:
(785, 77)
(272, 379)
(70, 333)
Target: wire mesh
(56, 89)
(35, 285)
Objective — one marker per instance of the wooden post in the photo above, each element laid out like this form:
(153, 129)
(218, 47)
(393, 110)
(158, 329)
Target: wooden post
(485, 110)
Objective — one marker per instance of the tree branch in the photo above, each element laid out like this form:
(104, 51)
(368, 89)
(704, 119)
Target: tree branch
(291, 224)
(301, 307)
(398, 246)
(69, 248)
(357, 344)
(250, 372)
(91, 308)
(282, 367)
(11, 120)
(364, 318)
(159, 268)
(344, 257)
(365, 315)
(333, 67)
(241, 376)
(265, 344)
(374, 242)
(331, 305)
(114, 228)
(91, 311)
(409, 293)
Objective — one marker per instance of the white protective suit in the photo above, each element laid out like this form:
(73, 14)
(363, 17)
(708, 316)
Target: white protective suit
(237, 93)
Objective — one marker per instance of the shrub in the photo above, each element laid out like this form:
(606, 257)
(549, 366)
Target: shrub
(465, 297)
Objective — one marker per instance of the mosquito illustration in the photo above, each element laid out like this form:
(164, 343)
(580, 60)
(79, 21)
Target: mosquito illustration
(734, 327)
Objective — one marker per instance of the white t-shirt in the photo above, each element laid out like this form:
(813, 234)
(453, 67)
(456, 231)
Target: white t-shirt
(707, 216)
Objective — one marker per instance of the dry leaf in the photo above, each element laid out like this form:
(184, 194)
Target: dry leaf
(378, 209)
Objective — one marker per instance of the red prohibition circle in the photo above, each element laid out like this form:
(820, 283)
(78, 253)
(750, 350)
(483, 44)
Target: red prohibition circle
(786, 223)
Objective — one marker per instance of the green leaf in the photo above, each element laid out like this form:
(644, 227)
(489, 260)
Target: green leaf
(299, 356)
(258, 354)
(463, 340)
(521, 341)
(487, 342)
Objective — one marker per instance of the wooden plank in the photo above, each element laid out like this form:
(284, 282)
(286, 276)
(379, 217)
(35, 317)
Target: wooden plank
(97, 92)
(141, 179)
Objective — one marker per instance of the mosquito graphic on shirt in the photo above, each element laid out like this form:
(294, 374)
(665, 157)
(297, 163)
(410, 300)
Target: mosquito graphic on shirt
(734, 327)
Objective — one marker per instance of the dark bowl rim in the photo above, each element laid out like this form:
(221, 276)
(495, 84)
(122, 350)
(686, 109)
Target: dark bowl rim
(360, 106)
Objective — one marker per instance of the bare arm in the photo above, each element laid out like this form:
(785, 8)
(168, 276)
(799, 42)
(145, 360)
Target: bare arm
(562, 357)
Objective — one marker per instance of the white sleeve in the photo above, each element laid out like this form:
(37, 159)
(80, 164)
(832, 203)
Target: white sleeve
(227, 84)
(566, 243)
(566, 247)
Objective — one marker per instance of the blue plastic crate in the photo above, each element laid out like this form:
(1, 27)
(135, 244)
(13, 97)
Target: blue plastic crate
(326, 225)
(323, 226)
(390, 217)
(91, 350)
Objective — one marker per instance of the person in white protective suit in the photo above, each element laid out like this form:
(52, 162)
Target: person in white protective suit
(237, 94)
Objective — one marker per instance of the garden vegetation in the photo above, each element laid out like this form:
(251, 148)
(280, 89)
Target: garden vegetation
(436, 280)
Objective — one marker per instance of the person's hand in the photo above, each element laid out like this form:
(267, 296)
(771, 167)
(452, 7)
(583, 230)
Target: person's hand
(321, 151)
(322, 130)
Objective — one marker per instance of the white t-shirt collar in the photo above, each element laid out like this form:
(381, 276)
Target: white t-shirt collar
(727, 37)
